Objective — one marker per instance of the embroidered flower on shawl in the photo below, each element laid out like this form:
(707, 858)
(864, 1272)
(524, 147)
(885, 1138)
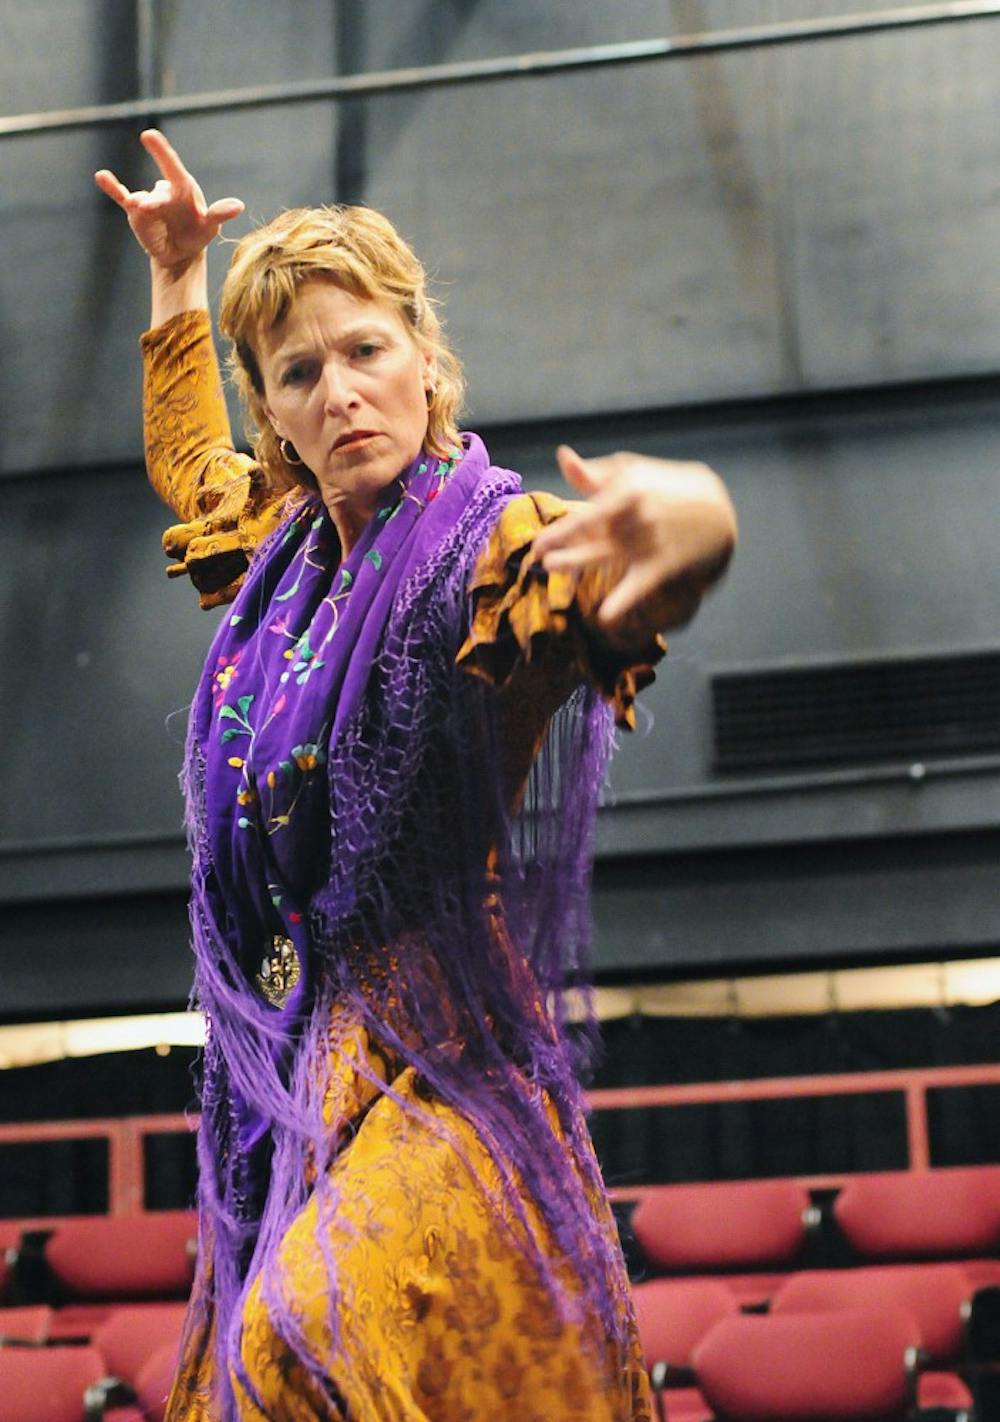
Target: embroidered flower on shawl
(238, 713)
(280, 626)
(307, 757)
(304, 660)
(226, 670)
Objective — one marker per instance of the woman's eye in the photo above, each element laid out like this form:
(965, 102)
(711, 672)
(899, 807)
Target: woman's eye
(366, 349)
(295, 374)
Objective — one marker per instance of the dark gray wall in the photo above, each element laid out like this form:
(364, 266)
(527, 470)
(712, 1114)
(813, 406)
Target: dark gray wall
(780, 261)
(809, 217)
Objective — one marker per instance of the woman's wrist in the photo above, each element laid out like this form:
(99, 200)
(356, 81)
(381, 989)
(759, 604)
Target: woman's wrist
(179, 288)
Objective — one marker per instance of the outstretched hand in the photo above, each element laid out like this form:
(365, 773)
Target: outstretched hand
(666, 530)
(172, 222)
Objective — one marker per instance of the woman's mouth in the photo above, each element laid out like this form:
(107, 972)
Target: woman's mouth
(353, 438)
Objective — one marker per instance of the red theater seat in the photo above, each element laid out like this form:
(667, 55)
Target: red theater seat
(30, 1324)
(133, 1335)
(152, 1389)
(728, 1226)
(935, 1295)
(683, 1404)
(982, 1273)
(155, 1381)
(675, 1314)
(839, 1367)
(124, 1257)
(46, 1384)
(921, 1213)
(78, 1322)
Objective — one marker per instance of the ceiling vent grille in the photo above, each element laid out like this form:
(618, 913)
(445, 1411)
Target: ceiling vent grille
(842, 713)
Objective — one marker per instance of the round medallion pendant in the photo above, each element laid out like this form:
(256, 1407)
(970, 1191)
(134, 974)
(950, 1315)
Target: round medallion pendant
(279, 972)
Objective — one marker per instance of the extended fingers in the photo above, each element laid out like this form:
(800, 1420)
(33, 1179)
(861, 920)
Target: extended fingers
(158, 195)
(578, 555)
(224, 209)
(581, 524)
(180, 181)
(639, 583)
(132, 199)
(165, 156)
(112, 187)
(580, 474)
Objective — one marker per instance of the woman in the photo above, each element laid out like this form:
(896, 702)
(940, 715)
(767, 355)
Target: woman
(393, 762)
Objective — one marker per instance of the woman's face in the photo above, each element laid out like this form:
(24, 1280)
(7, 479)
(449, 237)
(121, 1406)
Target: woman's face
(346, 384)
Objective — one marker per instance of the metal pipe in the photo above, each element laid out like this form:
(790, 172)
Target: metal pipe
(147, 52)
(481, 71)
(780, 1088)
(917, 1134)
(915, 773)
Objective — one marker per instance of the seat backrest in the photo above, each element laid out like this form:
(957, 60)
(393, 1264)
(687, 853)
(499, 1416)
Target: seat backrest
(29, 1323)
(124, 1257)
(921, 1213)
(934, 1294)
(737, 1225)
(841, 1367)
(675, 1314)
(46, 1384)
(155, 1381)
(130, 1337)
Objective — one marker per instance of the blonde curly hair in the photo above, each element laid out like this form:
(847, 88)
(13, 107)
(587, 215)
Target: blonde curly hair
(359, 250)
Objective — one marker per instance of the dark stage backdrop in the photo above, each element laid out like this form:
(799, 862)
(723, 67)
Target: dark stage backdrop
(780, 260)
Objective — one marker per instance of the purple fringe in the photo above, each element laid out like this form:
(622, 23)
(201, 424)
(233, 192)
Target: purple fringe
(416, 807)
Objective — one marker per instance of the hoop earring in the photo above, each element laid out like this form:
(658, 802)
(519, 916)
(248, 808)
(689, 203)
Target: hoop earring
(285, 445)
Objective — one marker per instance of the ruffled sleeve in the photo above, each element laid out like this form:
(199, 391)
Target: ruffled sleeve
(223, 499)
(540, 627)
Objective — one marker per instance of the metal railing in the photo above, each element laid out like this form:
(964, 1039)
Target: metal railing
(150, 108)
(913, 1085)
(126, 1136)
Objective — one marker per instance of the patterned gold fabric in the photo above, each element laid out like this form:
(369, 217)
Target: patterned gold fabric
(225, 503)
(529, 626)
(439, 1316)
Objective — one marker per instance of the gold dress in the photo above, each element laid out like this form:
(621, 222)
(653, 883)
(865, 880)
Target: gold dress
(440, 1316)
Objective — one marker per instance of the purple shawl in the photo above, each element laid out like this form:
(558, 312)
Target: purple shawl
(352, 847)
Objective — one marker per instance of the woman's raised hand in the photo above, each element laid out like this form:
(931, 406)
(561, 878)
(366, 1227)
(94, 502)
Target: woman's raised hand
(666, 528)
(171, 222)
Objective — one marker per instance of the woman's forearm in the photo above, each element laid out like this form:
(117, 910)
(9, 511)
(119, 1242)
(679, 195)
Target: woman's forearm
(177, 289)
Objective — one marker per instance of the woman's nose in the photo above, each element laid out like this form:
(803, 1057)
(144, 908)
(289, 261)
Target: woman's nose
(338, 388)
